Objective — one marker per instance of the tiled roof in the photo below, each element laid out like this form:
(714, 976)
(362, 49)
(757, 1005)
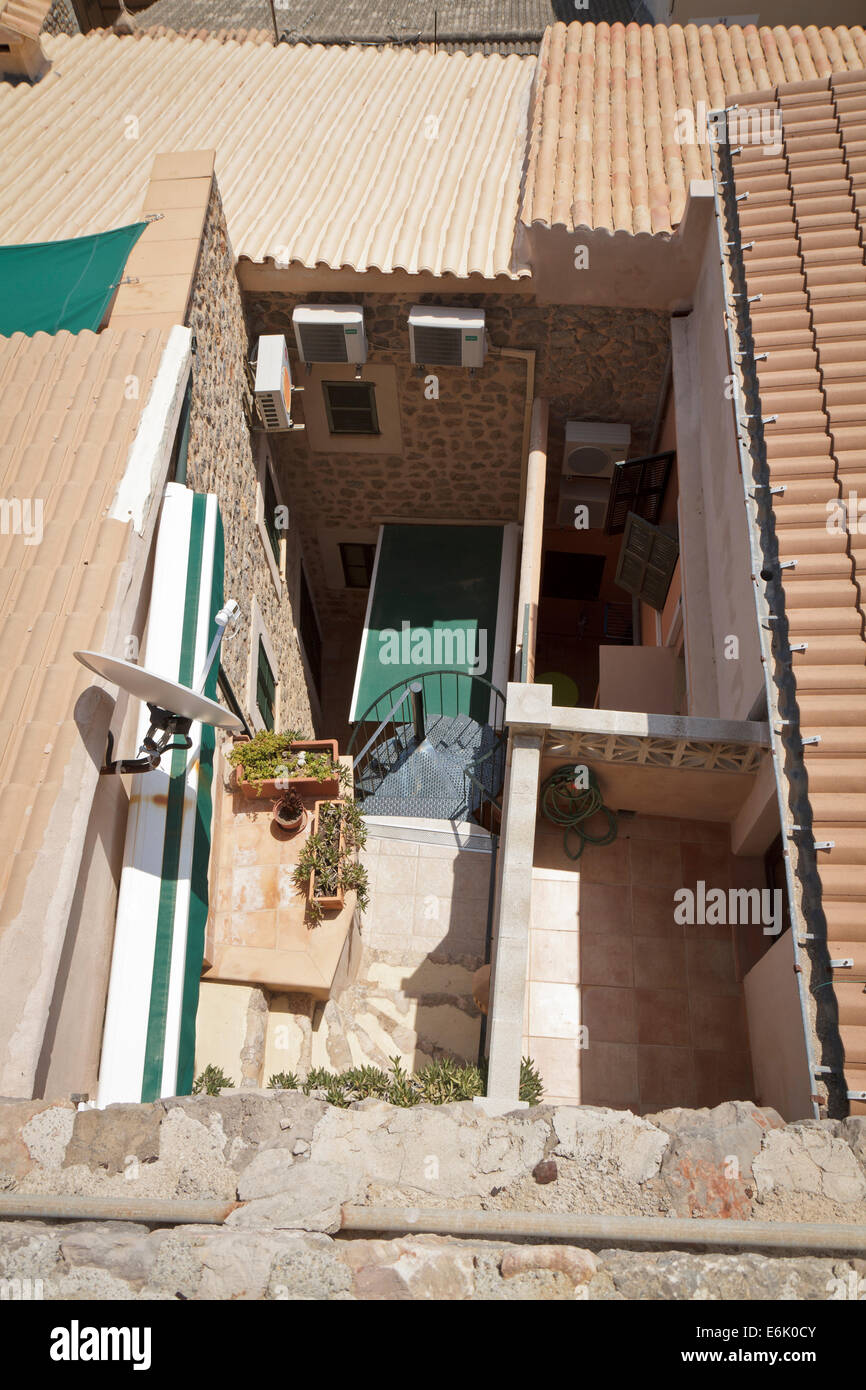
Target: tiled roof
(66, 426)
(24, 17)
(604, 142)
(389, 189)
(805, 216)
(502, 26)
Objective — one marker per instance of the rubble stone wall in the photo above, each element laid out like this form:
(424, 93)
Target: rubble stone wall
(221, 460)
(290, 1161)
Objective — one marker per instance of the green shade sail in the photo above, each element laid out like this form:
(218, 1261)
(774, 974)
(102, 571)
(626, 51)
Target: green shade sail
(51, 286)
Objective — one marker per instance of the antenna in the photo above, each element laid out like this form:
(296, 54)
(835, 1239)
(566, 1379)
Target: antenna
(172, 707)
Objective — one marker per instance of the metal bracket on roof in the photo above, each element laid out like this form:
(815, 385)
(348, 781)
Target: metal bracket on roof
(856, 1095)
(127, 280)
(844, 963)
(744, 245)
(824, 844)
(154, 216)
(799, 646)
(749, 298)
(787, 564)
(813, 738)
(823, 1071)
(741, 197)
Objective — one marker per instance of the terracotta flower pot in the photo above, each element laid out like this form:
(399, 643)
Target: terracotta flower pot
(291, 826)
(335, 900)
(270, 789)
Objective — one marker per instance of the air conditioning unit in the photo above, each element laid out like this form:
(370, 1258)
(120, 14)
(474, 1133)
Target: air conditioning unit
(273, 382)
(446, 337)
(591, 452)
(330, 332)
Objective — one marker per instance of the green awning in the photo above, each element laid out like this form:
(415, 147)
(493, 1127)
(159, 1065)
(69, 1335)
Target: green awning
(49, 286)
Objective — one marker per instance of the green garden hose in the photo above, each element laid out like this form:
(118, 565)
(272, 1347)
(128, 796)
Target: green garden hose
(567, 803)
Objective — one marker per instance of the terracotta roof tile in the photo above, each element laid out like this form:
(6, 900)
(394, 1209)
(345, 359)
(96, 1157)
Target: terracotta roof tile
(816, 447)
(24, 17)
(606, 150)
(389, 189)
(65, 432)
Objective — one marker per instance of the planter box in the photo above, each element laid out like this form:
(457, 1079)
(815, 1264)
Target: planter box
(269, 790)
(335, 901)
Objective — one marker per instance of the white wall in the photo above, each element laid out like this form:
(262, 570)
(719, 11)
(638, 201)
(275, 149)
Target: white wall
(713, 527)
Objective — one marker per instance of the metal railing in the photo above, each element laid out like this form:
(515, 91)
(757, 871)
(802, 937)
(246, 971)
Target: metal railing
(392, 732)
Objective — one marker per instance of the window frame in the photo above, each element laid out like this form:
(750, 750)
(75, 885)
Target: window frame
(265, 472)
(370, 388)
(368, 563)
(259, 633)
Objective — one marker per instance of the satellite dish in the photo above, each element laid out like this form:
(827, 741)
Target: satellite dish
(156, 690)
(172, 708)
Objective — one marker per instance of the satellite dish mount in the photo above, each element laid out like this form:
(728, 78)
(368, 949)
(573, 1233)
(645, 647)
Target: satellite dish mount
(173, 707)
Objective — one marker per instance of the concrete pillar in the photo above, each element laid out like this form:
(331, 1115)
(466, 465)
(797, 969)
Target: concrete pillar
(533, 535)
(511, 959)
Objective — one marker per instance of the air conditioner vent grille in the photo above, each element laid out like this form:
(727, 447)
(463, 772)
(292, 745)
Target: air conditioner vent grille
(323, 342)
(440, 347)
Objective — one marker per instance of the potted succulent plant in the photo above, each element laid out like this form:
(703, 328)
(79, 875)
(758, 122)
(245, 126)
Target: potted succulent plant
(289, 813)
(327, 865)
(269, 764)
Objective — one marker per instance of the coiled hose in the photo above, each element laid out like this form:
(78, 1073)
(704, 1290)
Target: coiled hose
(566, 803)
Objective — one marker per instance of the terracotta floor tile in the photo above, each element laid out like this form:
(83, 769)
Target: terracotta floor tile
(605, 863)
(719, 1022)
(651, 828)
(549, 852)
(605, 908)
(605, 960)
(721, 1076)
(254, 889)
(653, 912)
(656, 863)
(557, 1060)
(665, 1076)
(707, 862)
(253, 929)
(609, 1075)
(710, 967)
(608, 1014)
(662, 1017)
(554, 1010)
(398, 873)
(555, 903)
(706, 832)
(553, 955)
(660, 963)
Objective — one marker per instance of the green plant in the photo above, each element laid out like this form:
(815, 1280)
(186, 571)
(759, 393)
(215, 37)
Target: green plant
(438, 1083)
(284, 1081)
(268, 757)
(531, 1085)
(211, 1081)
(330, 854)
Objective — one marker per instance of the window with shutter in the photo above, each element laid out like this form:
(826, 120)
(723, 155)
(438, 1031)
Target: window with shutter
(646, 561)
(266, 688)
(637, 485)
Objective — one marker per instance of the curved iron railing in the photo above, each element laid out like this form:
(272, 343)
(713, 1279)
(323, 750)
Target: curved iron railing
(402, 717)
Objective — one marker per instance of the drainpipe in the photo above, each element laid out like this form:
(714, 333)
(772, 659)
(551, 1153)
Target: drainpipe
(762, 613)
(533, 538)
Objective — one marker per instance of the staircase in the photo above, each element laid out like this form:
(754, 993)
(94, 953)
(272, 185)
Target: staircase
(430, 765)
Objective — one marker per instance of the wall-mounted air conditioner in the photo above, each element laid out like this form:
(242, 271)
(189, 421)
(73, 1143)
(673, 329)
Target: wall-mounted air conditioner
(446, 337)
(330, 332)
(273, 382)
(591, 452)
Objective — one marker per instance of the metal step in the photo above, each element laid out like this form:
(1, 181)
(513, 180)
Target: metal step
(417, 830)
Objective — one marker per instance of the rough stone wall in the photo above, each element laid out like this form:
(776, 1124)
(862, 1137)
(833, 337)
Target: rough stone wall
(221, 460)
(462, 454)
(291, 1161)
(60, 19)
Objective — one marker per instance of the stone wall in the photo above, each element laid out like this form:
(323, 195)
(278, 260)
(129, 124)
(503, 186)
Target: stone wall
(221, 460)
(290, 1161)
(462, 454)
(61, 19)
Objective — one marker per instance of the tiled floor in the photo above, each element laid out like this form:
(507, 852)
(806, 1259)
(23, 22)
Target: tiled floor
(626, 1007)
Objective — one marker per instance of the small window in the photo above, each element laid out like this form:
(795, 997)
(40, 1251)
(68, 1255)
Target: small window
(266, 688)
(351, 407)
(270, 503)
(358, 561)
